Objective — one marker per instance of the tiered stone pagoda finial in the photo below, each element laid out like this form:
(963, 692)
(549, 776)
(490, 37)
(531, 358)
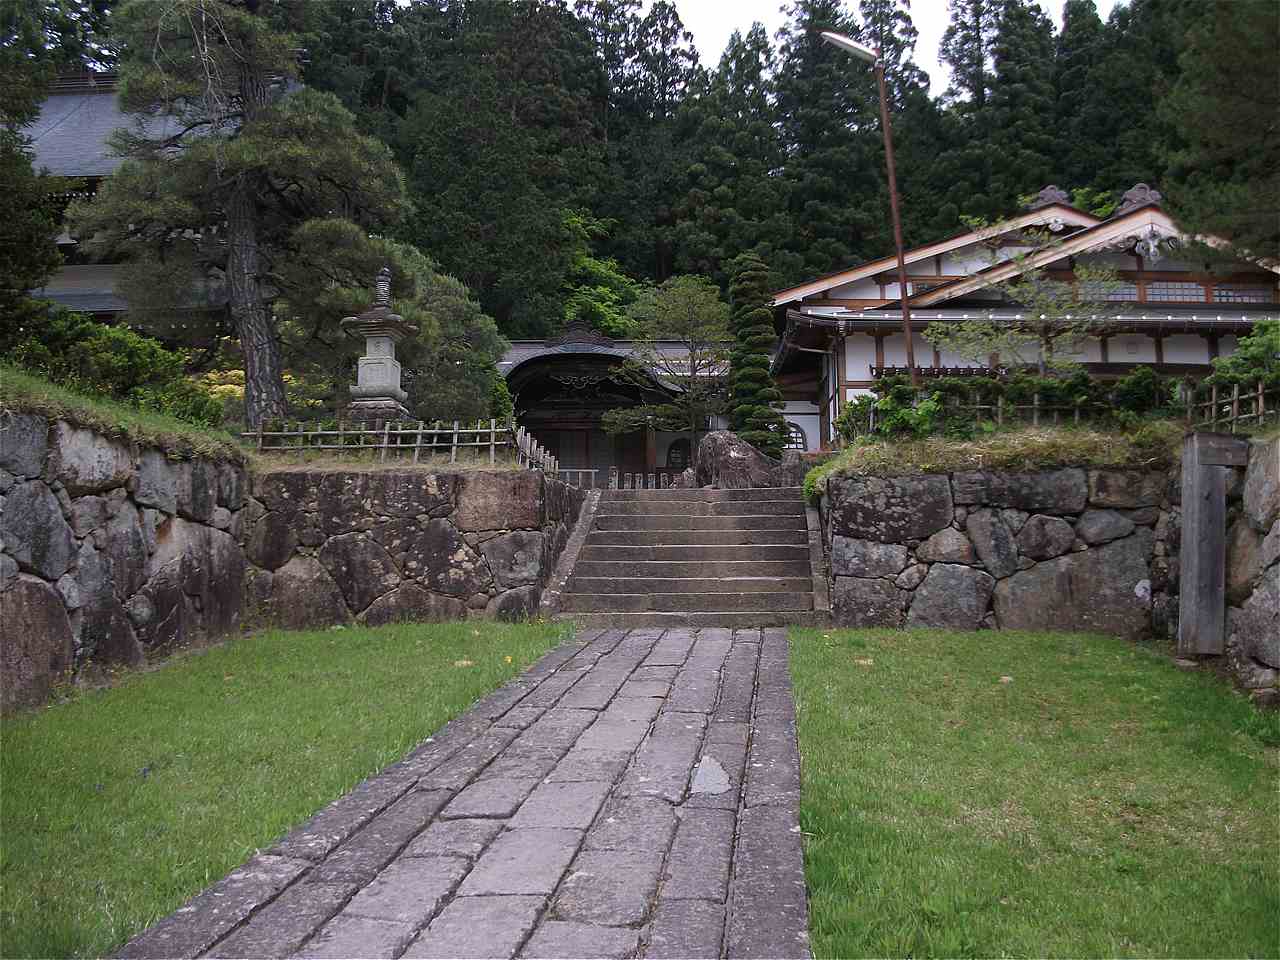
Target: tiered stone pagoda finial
(377, 394)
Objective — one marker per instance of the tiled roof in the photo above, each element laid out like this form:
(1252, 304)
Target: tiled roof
(69, 137)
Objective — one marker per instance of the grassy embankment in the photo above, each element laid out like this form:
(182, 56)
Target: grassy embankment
(1021, 794)
(121, 803)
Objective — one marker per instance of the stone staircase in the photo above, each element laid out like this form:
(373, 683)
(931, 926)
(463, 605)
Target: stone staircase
(698, 558)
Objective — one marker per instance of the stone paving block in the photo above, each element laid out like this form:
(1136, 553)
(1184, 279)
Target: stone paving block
(632, 822)
(715, 633)
(737, 684)
(724, 754)
(619, 736)
(454, 838)
(461, 768)
(694, 690)
(554, 687)
(553, 660)
(478, 927)
(519, 766)
(671, 650)
(773, 765)
(746, 635)
(451, 738)
(595, 692)
(520, 717)
(708, 654)
(212, 914)
(610, 887)
(558, 939)
(345, 937)
(590, 654)
(364, 855)
(655, 673)
(571, 804)
(411, 890)
(554, 732)
(632, 708)
(503, 699)
(769, 915)
(645, 688)
(664, 763)
(587, 764)
(527, 861)
(698, 868)
(686, 929)
(281, 926)
(317, 837)
(494, 799)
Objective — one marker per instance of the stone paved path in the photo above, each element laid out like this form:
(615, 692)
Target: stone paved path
(634, 794)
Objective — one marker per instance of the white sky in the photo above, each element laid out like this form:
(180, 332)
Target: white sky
(712, 21)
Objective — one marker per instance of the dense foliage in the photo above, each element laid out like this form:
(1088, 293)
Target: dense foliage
(754, 399)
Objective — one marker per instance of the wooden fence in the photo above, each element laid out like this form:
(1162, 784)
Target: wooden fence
(409, 441)
(1228, 409)
(979, 409)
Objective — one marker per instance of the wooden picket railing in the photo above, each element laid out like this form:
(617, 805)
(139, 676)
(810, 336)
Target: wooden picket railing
(1228, 409)
(406, 440)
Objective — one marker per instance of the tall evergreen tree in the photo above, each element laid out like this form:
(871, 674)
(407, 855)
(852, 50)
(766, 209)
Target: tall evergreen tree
(754, 399)
(214, 191)
(1078, 51)
(887, 26)
(967, 49)
(1224, 176)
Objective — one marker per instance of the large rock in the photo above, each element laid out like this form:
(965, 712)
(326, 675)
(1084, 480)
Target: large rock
(87, 462)
(233, 484)
(993, 541)
(858, 602)
(410, 603)
(866, 558)
(1102, 590)
(951, 596)
(515, 605)
(1050, 491)
(361, 567)
(1102, 526)
(1244, 561)
(34, 531)
(890, 509)
(515, 559)
(289, 491)
(156, 482)
(349, 501)
(304, 595)
(1126, 489)
(35, 642)
(948, 545)
(1271, 546)
(24, 444)
(107, 634)
(272, 539)
(8, 570)
(1257, 624)
(1042, 538)
(195, 585)
(725, 461)
(90, 513)
(499, 500)
(125, 542)
(197, 489)
(435, 554)
(1262, 485)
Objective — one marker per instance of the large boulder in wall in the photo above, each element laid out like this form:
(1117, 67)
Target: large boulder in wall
(727, 462)
(890, 509)
(35, 641)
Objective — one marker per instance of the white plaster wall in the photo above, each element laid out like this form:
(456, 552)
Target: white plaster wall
(1131, 348)
(1186, 348)
(859, 355)
(1088, 350)
(895, 350)
(949, 359)
(864, 289)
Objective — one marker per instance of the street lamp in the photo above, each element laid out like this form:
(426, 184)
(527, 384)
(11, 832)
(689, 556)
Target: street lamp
(872, 56)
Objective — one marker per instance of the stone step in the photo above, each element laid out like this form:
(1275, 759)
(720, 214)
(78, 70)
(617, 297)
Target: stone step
(633, 553)
(717, 618)
(685, 602)
(579, 584)
(700, 508)
(752, 493)
(705, 538)
(620, 522)
(647, 569)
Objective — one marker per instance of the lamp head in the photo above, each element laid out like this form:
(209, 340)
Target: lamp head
(848, 45)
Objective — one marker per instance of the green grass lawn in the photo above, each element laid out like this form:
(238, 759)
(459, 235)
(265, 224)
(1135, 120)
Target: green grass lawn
(123, 802)
(1099, 802)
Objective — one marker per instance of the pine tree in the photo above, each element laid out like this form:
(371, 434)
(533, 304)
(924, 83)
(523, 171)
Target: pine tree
(966, 48)
(1079, 48)
(1224, 180)
(754, 399)
(217, 191)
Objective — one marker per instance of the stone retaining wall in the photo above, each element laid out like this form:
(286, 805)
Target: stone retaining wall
(1068, 549)
(110, 554)
(372, 547)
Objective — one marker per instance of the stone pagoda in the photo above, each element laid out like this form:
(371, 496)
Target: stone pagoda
(377, 394)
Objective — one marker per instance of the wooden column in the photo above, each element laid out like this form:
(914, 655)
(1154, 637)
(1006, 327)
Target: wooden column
(1206, 458)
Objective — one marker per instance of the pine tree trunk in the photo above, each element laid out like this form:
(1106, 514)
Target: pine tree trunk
(263, 384)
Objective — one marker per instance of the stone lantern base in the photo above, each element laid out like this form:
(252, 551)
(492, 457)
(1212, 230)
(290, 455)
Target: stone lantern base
(380, 408)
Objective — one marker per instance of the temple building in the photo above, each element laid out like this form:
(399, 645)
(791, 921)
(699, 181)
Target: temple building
(838, 333)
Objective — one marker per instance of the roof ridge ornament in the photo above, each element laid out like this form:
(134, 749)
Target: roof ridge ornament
(1139, 195)
(579, 331)
(1048, 196)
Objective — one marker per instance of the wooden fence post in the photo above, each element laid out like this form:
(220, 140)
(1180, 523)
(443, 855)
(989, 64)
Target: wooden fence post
(1202, 582)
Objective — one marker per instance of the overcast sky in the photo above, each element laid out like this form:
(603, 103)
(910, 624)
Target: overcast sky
(712, 21)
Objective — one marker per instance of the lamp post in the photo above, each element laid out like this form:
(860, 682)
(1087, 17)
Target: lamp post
(872, 56)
